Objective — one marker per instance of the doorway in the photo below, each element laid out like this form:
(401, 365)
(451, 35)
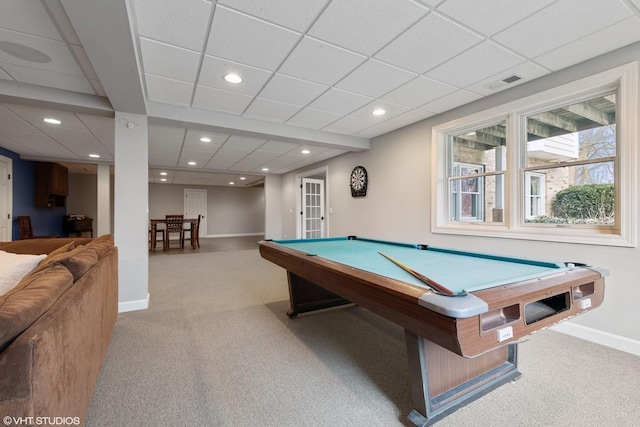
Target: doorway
(311, 203)
(6, 199)
(195, 203)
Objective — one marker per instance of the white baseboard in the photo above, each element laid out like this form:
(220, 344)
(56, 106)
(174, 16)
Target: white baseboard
(599, 337)
(258, 233)
(141, 304)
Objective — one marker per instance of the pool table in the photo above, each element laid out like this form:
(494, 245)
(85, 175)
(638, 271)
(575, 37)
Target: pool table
(463, 312)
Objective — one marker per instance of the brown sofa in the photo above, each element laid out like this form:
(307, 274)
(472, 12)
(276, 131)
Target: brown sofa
(55, 326)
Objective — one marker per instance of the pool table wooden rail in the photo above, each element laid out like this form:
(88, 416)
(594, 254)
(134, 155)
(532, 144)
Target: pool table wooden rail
(398, 301)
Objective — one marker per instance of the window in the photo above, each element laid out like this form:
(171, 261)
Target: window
(574, 148)
(535, 200)
(555, 166)
(467, 192)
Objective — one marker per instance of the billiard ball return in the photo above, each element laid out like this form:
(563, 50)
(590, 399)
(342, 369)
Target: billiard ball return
(459, 347)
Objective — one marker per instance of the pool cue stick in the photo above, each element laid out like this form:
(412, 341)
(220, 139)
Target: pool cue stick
(432, 283)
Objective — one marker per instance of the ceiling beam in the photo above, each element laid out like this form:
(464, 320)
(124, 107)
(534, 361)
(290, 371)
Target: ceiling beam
(171, 115)
(104, 29)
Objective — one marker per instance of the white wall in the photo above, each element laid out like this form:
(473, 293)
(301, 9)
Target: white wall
(230, 211)
(397, 206)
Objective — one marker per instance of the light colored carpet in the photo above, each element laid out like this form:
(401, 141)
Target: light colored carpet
(215, 348)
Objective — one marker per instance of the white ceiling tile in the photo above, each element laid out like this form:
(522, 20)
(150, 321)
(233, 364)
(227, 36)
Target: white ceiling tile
(365, 27)
(597, 43)
(42, 144)
(166, 133)
(4, 75)
(278, 147)
(253, 161)
(482, 61)
(411, 116)
(192, 141)
(374, 78)
(339, 101)
(35, 116)
(375, 130)
(11, 145)
(349, 125)
(180, 22)
(391, 110)
(429, 43)
(214, 69)
(491, 16)
(288, 13)
(62, 61)
(313, 119)
(291, 90)
(102, 128)
(450, 101)
(220, 100)
(28, 16)
(248, 40)
(526, 71)
(162, 158)
(170, 91)
(164, 60)
(273, 111)
(246, 143)
(13, 122)
(320, 62)
(569, 19)
(418, 92)
(45, 78)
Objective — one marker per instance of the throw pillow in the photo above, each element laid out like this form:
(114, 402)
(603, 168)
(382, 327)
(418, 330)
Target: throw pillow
(13, 267)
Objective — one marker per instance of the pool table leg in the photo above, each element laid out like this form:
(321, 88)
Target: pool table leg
(442, 381)
(305, 296)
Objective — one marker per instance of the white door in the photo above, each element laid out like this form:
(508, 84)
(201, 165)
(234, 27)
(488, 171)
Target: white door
(312, 208)
(6, 198)
(195, 203)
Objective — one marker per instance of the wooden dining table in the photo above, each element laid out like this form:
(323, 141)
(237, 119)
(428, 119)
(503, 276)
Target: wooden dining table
(155, 222)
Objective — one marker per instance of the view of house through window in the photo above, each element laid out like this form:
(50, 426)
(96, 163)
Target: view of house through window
(478, 163)
(569, 174)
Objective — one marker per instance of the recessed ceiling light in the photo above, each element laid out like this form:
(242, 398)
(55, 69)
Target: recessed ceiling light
(163, 173)
(205, 139)
(265, 169)
(233, 78)
(379, 112)
(231, 183)
(305, 151)
(242, 178)
(191, 163)
(95, 156)
(52, 121)
(163, 179)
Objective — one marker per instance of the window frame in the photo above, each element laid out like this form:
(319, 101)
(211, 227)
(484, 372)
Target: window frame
(622, 79)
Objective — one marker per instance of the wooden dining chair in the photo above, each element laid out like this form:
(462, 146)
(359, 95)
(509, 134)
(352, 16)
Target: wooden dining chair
(174, 225)
(194, 231)
(26, 229)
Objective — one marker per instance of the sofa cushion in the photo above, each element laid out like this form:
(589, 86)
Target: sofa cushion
(78, 261)
(102, 244)
(38, 246)
(13, 267)
(28, 300)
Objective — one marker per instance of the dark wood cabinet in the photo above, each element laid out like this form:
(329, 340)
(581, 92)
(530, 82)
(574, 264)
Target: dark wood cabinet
(51, 184)
(78, 226)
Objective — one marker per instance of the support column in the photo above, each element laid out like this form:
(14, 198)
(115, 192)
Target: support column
(272, 207)
(103, 221)
(131, 210)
